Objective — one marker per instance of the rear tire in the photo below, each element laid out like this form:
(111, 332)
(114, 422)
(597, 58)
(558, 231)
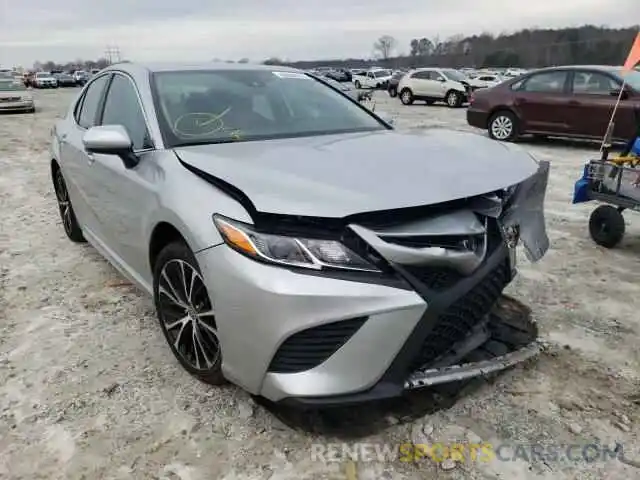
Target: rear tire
(186, 313)
(406, 96)
(606, 226)
(503, 126)
(67, 215)
(393, 92)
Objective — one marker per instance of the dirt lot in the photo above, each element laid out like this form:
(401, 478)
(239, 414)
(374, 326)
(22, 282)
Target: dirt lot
(89, 390)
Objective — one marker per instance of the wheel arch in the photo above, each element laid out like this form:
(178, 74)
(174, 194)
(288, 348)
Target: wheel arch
(162, 234)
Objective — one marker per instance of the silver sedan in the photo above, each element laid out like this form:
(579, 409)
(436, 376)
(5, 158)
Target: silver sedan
(294, 243)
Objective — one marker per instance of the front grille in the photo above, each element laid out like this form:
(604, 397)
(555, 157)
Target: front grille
(309, 348)
(457, 321)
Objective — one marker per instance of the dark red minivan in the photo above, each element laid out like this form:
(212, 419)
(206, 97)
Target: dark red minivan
(573, 101)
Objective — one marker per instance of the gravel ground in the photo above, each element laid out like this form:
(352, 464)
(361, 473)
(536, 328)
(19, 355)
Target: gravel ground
(89, 390)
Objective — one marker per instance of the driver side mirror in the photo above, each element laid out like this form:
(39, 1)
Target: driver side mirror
(111, 140)
(442, 79)
(623, 95)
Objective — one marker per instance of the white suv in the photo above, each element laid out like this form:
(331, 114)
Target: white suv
(434, 84)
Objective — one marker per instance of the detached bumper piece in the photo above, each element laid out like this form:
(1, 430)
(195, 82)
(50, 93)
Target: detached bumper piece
(506, 337)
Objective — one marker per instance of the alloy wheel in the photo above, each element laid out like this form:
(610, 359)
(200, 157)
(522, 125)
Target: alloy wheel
(502, 127)
(452, 99)
(64, 204)
(187, 315)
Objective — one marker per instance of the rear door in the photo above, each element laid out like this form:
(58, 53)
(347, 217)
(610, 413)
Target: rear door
(420, 83)
(540, 101)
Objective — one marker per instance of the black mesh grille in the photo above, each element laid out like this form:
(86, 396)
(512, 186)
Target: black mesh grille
(436, 279)
(458, 320)
(309, 348)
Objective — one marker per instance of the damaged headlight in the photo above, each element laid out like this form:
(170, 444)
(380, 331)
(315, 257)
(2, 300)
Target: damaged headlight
(309, 253)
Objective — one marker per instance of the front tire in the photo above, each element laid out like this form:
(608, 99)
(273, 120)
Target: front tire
(606, 226)
(503, 126)
(453, 99)
(358, 84)
(406, 96)
(67, 215)
(186, 313)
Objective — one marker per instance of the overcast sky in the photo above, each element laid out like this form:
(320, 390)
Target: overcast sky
(193, 30)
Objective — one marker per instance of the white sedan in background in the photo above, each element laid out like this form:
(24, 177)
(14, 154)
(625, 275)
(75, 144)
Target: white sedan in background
(486, 80)
(14, 96)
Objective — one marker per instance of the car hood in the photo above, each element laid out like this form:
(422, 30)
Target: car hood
(335, 176)
(14, 94)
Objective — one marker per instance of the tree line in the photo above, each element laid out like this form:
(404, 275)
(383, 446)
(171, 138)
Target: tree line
(528, 48)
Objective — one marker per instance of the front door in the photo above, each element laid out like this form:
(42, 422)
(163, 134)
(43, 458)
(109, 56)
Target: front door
(125, 196)
(75, 167)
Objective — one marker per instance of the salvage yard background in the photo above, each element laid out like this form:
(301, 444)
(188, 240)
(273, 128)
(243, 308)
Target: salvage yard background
(88, 389)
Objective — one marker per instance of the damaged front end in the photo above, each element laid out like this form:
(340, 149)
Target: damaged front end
(460, 260)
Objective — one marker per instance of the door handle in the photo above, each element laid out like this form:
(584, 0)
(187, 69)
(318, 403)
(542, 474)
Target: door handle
(574, 102)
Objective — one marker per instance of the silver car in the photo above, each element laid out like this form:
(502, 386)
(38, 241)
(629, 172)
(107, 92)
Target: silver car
(14, 96)
(294, 243)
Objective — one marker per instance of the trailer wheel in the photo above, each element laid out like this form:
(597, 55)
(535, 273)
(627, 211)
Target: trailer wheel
(606, 226)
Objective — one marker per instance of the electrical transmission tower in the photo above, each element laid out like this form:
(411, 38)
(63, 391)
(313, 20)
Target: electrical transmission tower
(112, 54)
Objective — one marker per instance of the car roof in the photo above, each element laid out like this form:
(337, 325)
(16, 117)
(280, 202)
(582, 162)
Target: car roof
(140, 71)
(604, 68)
(136, 67)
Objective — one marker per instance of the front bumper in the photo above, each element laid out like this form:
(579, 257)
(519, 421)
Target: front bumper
(16, 106)
(260, 308)
(311, 339)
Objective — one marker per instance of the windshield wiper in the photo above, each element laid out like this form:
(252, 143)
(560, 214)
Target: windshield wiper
(208, 142)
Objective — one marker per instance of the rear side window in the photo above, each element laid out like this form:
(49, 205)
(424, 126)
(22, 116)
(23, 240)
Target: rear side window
(421, 75)
(546, 82)
(91, 101)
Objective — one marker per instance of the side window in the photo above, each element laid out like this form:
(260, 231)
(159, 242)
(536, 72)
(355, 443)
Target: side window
(90, 102)
(593, 83)
(546, 82)
(437, 76)
(421, 75)
(122, 107)
(518, 85)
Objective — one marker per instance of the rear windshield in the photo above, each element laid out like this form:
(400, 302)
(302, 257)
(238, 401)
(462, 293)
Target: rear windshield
(219, 106)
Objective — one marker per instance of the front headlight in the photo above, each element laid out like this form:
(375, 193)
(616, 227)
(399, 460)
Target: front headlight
(290, 251)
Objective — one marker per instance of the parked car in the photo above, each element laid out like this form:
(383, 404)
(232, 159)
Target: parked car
(347, 88)
(80, 77)
(44, 80)
(293, 242)
(574, 101)
(485, 80)
(65, 79)
(374, 78)
(339, 75)
(14, 96)
(392, 87)
(434, 84)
